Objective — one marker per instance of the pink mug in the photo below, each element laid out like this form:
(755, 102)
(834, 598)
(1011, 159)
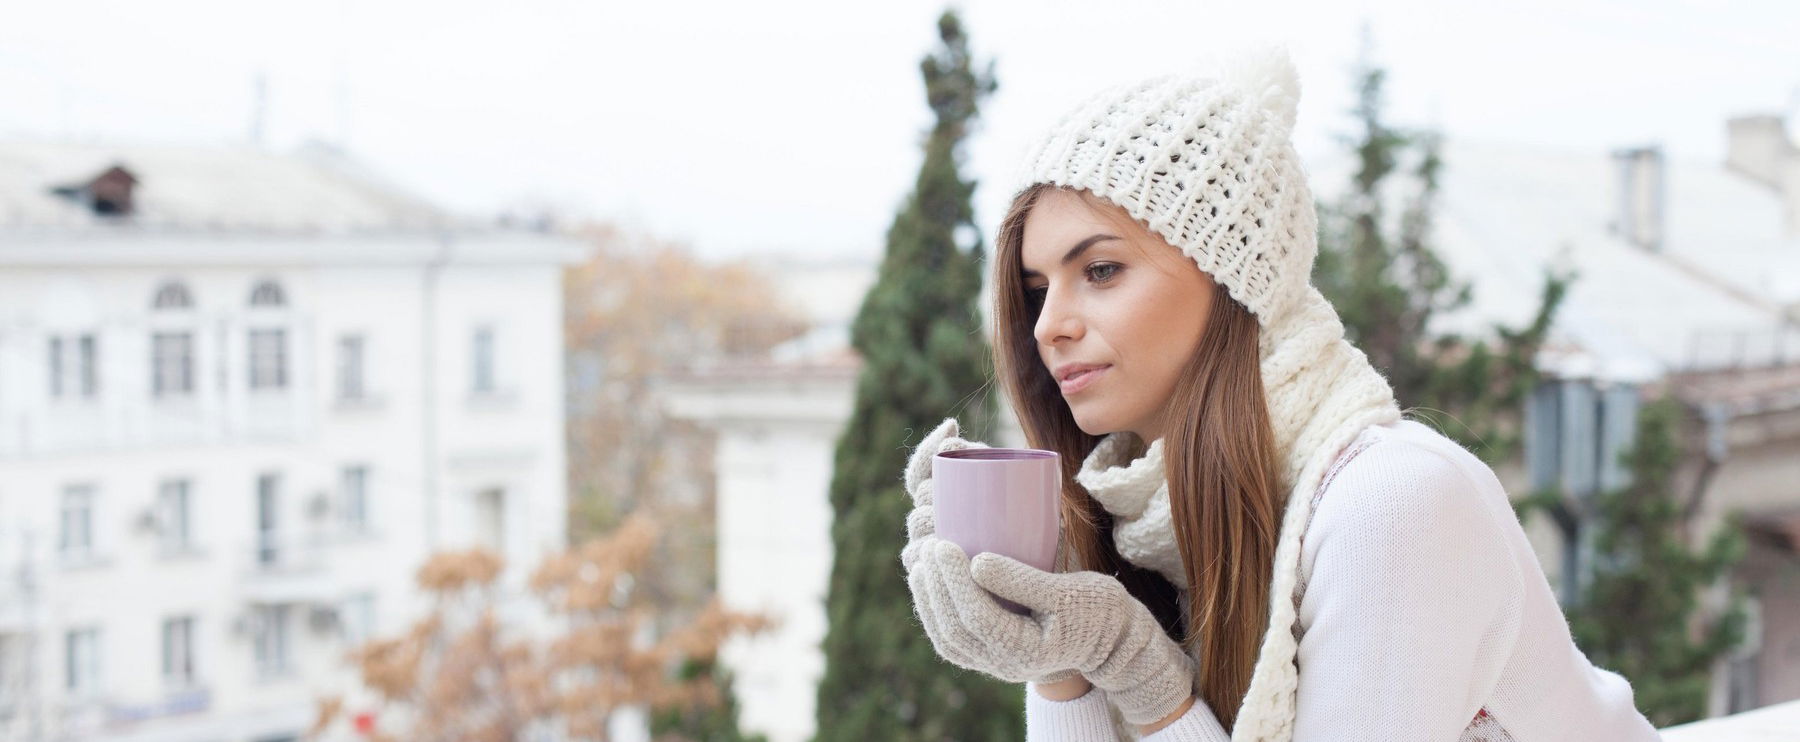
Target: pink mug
(1003, 500)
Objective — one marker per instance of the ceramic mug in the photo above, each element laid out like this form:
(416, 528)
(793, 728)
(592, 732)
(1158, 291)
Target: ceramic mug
(1003, 500)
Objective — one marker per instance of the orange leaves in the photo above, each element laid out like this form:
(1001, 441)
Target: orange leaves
(451, 572)
(589, 577)
(480, 667)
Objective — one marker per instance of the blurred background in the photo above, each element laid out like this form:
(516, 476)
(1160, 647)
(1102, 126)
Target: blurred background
(456, 371)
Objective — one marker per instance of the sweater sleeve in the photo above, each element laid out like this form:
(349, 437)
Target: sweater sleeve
(1087, 719)
(1197, 725)
(1411, 602)
(1083, 719)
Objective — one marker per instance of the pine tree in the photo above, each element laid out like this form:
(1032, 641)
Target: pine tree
(919, 333)
(1640, 613)
(1388, 287)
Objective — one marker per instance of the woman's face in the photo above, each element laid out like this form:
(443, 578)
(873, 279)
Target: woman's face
(1112, 294)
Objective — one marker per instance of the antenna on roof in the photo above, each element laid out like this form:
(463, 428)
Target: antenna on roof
(1792, 115)
(259, 108)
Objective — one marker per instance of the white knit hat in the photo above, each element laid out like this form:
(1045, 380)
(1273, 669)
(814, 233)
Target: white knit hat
(1204, 160)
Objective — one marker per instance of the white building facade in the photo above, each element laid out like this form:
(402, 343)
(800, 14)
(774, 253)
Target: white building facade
(235, 418)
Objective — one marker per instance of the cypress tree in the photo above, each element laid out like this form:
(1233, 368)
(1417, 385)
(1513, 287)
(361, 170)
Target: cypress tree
(919, 333)
(1387, 283)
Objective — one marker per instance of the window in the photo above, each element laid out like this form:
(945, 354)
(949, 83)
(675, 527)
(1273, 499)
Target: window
(490, 519)
(178, 651)
(358, 622)
(1575, 433)
(11, 679)
(354, 504)
(81, 661)
(75, 539)
(172, 364)
(172, 295)
(272, 640)
(173, 505)
(72, 369)
(350, 367)
(268, 359)
(481, 354)
(267, 294)
(268, 522)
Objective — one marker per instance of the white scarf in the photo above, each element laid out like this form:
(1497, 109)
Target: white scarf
(1321, 393)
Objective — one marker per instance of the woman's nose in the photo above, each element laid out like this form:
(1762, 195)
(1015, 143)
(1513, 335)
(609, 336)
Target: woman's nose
(1056, 323)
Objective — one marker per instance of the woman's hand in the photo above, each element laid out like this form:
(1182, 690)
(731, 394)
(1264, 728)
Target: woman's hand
(921, 529)
(919, 522)
(1086, 620)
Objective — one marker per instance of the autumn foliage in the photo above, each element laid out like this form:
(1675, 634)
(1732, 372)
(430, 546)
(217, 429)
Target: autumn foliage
(478, 667)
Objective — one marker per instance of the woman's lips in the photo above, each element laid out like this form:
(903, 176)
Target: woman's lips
(1081, 380)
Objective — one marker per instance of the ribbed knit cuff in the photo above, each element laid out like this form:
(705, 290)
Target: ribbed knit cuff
(1148, 675)
(1084, 719)
(1197, 725)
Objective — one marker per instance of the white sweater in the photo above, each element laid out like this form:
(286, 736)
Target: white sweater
(1425, 614)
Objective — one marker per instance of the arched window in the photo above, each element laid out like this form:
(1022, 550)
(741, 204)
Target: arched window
(267, 294)
(172, 347)
(172, 295)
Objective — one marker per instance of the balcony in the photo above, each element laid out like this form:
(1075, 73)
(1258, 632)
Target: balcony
(279, 569)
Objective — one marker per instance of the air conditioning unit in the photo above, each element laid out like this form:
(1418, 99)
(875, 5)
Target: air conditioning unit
(148, 520)
(322, 618)
(319, 505)
(246, 623)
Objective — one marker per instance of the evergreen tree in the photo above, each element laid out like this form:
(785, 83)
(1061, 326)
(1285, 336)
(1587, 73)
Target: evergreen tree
(704, 723)
(1388, 287)
(1640, 615)
(919, 333)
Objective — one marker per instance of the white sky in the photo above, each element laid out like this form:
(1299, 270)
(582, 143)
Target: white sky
(795, 125)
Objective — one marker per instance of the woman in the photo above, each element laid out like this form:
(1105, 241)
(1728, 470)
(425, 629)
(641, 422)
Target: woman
(1287, 558)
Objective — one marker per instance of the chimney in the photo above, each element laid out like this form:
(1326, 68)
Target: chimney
(1759, 148)
(1640, 196)
(108, 194)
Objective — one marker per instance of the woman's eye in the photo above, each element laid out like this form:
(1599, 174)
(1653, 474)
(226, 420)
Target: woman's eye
(1098, 272)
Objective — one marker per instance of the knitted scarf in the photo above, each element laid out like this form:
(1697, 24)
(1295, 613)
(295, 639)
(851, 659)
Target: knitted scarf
(1321, 393)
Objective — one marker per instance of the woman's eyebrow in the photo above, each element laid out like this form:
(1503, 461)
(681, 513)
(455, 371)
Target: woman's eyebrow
(1073, 253)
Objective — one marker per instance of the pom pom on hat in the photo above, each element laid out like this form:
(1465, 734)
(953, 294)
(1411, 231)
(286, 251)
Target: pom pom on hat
(1265, 73)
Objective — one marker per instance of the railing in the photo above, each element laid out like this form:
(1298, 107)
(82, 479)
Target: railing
(1728, 349)
(286, 569)
(1779, 721)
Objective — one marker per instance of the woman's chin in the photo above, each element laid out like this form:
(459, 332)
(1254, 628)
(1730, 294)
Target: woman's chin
(1090, 423)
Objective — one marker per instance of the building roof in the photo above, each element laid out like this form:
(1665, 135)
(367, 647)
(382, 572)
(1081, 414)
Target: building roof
(236, 187)
(1712, 297)
(229, 205)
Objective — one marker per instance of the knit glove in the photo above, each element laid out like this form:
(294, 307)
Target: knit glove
(921, 536)
(1083, 620)
(919, 522)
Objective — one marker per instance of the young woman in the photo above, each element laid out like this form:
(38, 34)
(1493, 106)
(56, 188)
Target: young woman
(1256, 544)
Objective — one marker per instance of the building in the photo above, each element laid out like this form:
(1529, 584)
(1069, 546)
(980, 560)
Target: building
(1688, 285)
(242, 396)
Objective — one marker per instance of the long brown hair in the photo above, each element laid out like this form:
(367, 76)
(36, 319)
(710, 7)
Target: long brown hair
(1219, 459)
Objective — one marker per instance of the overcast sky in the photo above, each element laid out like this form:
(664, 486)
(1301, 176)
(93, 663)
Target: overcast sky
(795, 125)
